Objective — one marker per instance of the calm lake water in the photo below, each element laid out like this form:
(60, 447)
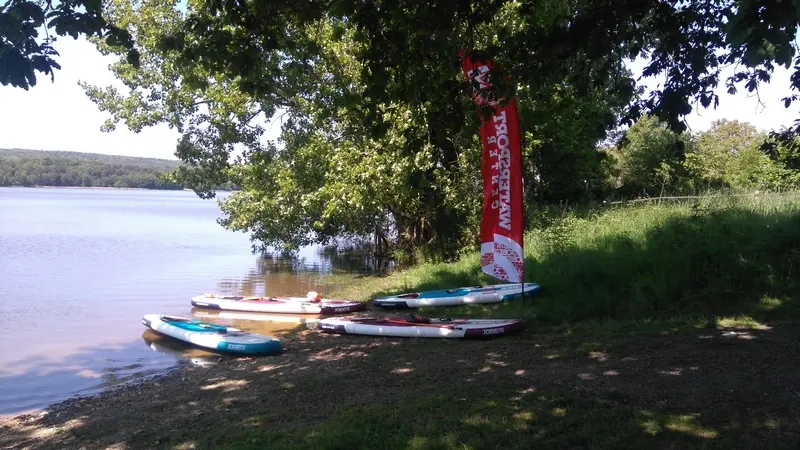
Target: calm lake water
(79, 268)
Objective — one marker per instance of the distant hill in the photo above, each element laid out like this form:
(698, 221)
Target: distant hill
(156, 163)
(22, 167)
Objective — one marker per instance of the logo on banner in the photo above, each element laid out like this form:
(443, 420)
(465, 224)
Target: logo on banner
(480, 74)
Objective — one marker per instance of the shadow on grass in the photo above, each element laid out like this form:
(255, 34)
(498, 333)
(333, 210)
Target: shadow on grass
(526, 391)
(711, 263)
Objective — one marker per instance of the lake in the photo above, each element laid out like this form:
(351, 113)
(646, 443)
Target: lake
(79, 268)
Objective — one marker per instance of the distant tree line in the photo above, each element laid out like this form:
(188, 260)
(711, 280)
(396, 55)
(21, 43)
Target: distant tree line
(53, 168)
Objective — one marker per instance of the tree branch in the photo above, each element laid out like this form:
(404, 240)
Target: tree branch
(251, 116)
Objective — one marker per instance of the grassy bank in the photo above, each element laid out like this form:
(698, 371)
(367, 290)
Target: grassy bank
(693, 262)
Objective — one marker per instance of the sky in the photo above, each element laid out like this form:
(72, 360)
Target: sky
(59, 116)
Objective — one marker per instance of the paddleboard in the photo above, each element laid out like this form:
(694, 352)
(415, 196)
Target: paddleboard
(205, 314)
(459, 296)
(212, 336)
(283, 305)
(423, 327)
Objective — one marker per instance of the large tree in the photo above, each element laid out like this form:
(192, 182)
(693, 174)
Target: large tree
(648, 159)
(406, 167)
(413, 182)
(728, 155)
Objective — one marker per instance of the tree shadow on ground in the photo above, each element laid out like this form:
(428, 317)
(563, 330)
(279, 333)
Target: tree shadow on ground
(712, 263)
(709, 389)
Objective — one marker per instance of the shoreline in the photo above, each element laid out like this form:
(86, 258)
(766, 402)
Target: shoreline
(96, 187)
(110, 391)
(110, 188)
(60, 405)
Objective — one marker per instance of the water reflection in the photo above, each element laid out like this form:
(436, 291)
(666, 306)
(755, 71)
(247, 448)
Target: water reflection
(276, 328)
(345, 256)
(287, 274)
(261, 281)
(352, 257)
(245, 318)
(276, 325)
(179, 350)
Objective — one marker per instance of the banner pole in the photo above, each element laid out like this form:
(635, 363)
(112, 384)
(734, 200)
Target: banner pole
(522, 206)
(522, 242)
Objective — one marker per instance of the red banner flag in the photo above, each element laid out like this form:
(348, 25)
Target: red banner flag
(501, 225)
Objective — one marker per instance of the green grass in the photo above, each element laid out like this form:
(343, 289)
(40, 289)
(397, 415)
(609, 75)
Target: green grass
(542, 421)
(701, 263)
(546, 420)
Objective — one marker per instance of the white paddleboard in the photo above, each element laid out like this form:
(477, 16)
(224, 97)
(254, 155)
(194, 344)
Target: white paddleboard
(459, 296)
(426, 328)
(212, 336)
(282, 305)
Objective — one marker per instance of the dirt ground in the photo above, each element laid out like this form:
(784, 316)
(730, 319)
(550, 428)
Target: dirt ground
(727, 388)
